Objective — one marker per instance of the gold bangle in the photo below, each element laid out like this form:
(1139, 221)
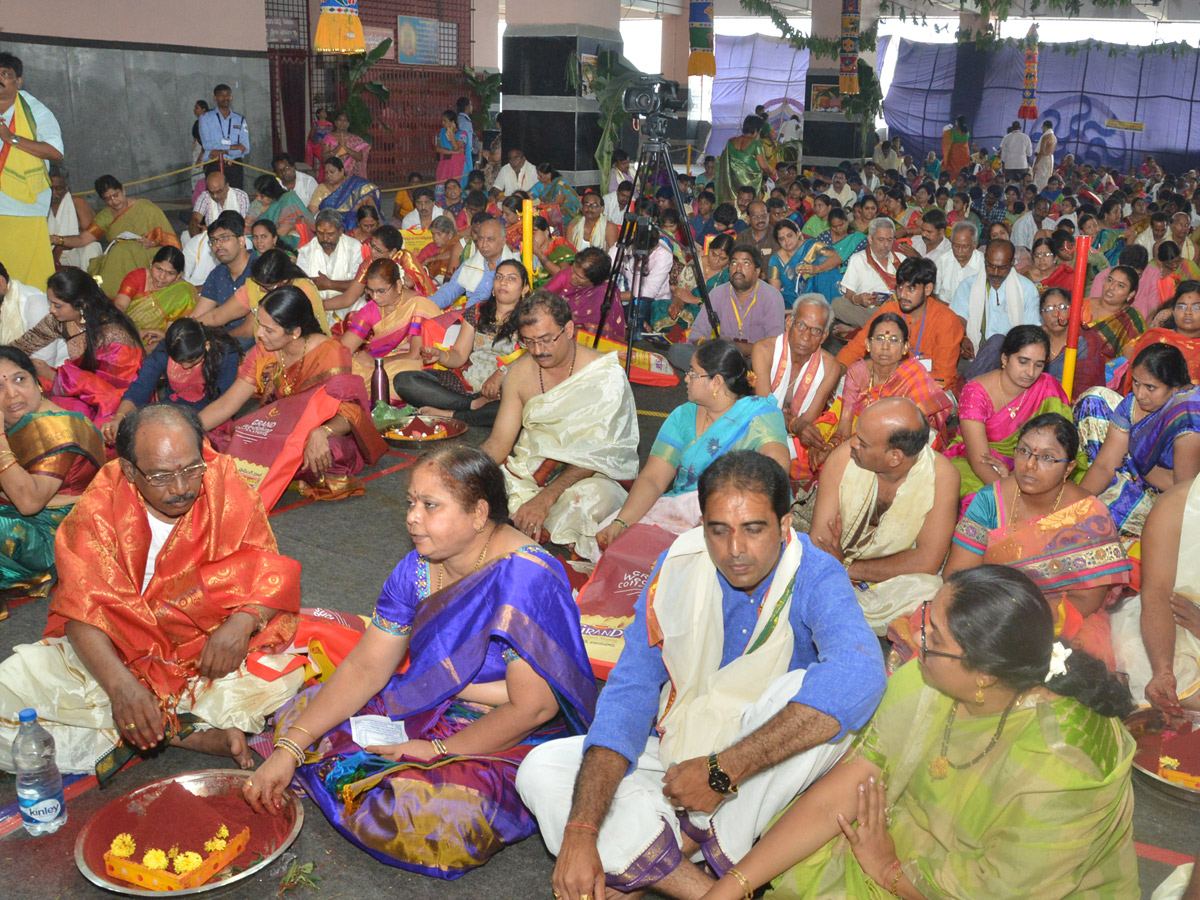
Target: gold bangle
(305, 730)
(440, 746)
(744, 882)
(7, 466)
(327, 430)
(895, 888)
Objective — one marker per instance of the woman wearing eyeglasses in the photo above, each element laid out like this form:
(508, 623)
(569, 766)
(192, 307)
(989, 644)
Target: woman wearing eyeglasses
(1181, 329)
(993, 408)
(1039, 521)
(1145, 442)
(722, 414)
(1045, 270)
(888, 371)
(995, 766)
(1089, 359)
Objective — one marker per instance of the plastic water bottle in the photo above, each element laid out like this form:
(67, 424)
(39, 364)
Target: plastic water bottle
(39, 783)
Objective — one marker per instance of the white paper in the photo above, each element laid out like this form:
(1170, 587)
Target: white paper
(372, 731)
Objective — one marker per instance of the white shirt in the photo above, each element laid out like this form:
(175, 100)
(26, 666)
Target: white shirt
(305, 186)
(951, 274)
(509, 181)
(159, 532)
(1015, 150)
(413, 219)
(845, 198)
(341, 265)
(942, 249)
(791, 130)
(612, 209)
(861, 277)
(1025, 229)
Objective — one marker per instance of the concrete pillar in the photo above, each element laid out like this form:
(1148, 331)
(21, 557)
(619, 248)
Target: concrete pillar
(675, 48)
(543, 114)
(485, 20)
(830, 136)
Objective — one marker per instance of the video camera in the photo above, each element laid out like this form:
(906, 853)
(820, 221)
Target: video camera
(651, 95)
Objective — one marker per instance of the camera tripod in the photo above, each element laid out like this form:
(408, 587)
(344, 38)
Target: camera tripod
(635, 236)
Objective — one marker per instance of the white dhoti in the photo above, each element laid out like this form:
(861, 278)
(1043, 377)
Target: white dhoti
(640, 840)
(1130, 653)
(50, 677)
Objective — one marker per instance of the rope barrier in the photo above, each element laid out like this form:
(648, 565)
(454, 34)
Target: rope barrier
(129, 184)
(652, 413)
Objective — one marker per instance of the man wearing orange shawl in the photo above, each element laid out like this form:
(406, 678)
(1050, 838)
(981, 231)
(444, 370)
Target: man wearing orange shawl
(172, 600)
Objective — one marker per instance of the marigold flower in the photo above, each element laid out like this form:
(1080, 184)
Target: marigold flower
(123, 845)
(214, 845)
(186, 862)
(154, 859)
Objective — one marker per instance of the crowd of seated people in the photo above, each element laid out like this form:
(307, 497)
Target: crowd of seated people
(880, 466)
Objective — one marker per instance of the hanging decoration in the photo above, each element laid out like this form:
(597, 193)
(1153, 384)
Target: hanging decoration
(1029, 109)
(701, 61)
(848, 74)
(339, 29)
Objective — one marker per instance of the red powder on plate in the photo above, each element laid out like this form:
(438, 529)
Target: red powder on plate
(178, 818)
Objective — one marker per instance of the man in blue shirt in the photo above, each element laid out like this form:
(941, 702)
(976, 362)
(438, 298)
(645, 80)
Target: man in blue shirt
(474, 277)
(702, 223)
(226, 236)
(224, 133)
(747, 665)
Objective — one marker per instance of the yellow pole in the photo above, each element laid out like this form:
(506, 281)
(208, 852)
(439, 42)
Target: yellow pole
(527, 236)
(689, 159)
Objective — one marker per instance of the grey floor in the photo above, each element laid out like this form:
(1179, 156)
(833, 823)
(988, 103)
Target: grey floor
(347, 549)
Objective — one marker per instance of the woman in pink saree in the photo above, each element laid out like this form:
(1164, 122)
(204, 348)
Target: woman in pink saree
(104, 347)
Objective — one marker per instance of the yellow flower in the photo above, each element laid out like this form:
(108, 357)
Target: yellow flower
(186, 862)
(123, 845)
(173, 852)
(154, 859)
(222, 832)
(214, 845)
(1168, 762)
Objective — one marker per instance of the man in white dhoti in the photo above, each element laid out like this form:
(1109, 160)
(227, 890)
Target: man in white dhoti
(22, 307)
(800, 376)
(1156, 635)
(750, 659)
(198, 257)
(68, 216)
(1043, 160)
(566, 431)
(332, 260)
(886, 507)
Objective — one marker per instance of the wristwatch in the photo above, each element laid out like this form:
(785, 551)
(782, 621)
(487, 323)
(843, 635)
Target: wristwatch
(717, 779)
(13, 140)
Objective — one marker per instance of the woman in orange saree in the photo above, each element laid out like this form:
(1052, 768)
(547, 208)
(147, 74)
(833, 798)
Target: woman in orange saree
(314, 424)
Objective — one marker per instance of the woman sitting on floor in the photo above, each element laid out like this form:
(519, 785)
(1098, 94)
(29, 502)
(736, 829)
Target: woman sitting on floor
(1039, 521)
(345, 192)
(156, 296)
(104, 355)
(722, 414)
(582, 284)
(1089, 358)
(551, 253)
(199, 362)
(794, 262)
(441, 255)
(467, 383)
(386, 331)
(306, 377)
(680, 311)
(888, 371)
(995, 766)
(285, 210)
(1112, 314)
(496, 665)
(1144, 443)
(994, 407)
(1181, 329)
(1045, 270)
(48, 456)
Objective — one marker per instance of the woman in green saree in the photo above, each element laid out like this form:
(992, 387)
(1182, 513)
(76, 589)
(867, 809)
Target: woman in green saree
(47, 457)
(680, 311)
(742, 163)
(996, 766)
(156, 296)
(285, 209)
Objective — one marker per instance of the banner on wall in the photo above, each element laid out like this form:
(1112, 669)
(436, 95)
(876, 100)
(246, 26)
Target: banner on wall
(376, 36)
(416, 41)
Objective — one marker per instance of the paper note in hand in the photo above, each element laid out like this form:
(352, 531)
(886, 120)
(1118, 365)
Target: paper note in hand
(372, 731)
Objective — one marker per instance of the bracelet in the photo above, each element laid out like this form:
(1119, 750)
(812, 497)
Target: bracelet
(327, 430)
(440, 746)
(743, 881)
(7, 466)
(894, 889)
(305, 730)
(622, 523)
(292, 749)
(582, 825)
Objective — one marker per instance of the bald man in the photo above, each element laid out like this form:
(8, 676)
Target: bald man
(886, 507)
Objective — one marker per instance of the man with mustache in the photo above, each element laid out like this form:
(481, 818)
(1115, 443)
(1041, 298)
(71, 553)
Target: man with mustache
(172, 610)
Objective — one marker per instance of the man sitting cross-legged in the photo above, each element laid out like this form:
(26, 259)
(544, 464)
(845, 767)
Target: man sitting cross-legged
(886, 507)
(769, 665)
(566, 430)
(170, 583)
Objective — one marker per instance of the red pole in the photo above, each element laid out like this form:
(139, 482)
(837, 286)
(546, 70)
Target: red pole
(1083, 247)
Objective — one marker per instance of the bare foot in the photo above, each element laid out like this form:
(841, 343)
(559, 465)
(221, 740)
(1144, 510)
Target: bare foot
(434, 411)
(219, 742)
(480, 402)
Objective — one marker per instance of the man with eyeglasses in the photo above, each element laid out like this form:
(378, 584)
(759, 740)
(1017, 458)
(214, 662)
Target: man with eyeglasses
(566, 431)
(886, 509)
(473, 278)
(934, 332)
(227, 238)
(171, 606)
(992, 303)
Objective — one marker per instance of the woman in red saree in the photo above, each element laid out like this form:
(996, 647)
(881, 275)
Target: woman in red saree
(104, 356)
(314, 423)
(1182, 330)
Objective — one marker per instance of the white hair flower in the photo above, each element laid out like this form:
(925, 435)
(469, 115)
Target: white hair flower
(1059, 654)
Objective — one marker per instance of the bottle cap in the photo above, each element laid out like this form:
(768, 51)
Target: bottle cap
(27, 715)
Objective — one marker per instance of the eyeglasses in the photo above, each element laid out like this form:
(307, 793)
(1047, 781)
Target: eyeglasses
(534, 343)
(815, 332)
(223, 239)
(886, 339)
(1043, 459)
(925, 651)
(688, 376)
(162, 479)
(1060, 308)
(1187, 307)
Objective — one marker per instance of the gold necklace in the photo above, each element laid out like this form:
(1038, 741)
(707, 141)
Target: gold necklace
(1004, 401)
(478, 562)
(1017, 502)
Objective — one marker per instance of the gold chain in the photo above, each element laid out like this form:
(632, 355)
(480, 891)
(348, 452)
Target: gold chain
(478, 562)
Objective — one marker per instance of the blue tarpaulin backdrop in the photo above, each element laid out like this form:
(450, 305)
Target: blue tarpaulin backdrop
(1078, 93)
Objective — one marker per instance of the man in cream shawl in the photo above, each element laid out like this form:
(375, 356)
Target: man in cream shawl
(887, 509)
(473, 279)
(992, 303)
(750, 659)
(566, 431)
(68, 216)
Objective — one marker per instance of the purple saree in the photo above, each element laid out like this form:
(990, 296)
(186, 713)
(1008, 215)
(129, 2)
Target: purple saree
(446, 816)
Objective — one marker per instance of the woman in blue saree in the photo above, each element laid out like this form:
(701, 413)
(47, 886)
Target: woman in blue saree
(722, 414)
(496, 665)
(791, 266)
(344, 193)
(1142, 444)
(840, 244)
(556, 200)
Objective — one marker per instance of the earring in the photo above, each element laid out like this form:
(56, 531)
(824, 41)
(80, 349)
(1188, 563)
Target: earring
(979, 692)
